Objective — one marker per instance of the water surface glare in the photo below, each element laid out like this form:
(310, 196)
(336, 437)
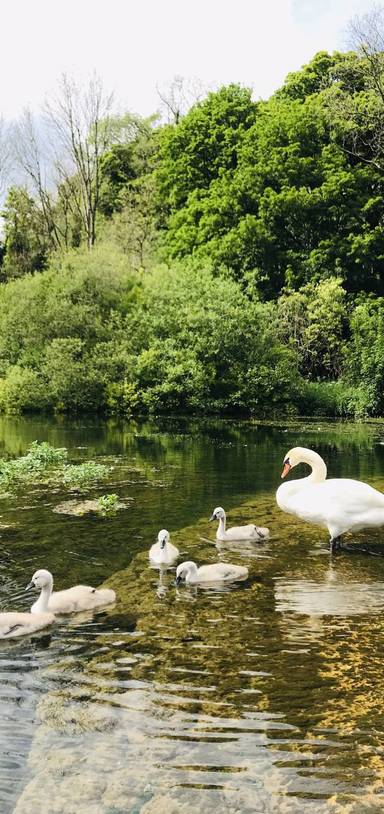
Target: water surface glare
(261, 696)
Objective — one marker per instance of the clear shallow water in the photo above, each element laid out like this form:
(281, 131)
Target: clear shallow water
(263, 696)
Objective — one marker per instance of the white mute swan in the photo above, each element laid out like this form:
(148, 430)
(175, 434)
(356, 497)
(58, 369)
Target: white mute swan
(216, 572)
(250, 532)
(78, 598)
(14, 624)
(338, 504)
(163, 552)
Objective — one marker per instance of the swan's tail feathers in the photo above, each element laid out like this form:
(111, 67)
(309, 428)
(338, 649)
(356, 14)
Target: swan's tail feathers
(262, 532)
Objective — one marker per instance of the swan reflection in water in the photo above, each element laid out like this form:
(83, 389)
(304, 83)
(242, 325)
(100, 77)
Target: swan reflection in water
(246, 548)
(163, 584)
(332, 597)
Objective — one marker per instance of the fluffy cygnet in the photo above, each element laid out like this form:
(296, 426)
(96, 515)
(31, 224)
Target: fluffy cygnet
(215, 572)
(13, 623)
(78, 598)
(163, 552)
(250, 532)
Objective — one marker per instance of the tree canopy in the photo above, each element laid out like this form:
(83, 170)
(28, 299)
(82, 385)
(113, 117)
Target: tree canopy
(229, 260)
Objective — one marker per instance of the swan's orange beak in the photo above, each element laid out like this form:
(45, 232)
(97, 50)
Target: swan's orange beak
(287, 467)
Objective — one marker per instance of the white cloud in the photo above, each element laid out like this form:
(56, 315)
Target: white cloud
(134, 46)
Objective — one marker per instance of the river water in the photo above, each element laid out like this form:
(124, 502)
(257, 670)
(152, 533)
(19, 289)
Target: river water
(266, 696)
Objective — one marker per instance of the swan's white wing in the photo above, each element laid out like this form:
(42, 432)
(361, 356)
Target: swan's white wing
(339, 504)
(241, 533)
(342, 494)
(221, 571)
(163, 556)
(11, 622)
(347, 490)
(172, 550)
(80, 597)
(249, 532)
(352, 492)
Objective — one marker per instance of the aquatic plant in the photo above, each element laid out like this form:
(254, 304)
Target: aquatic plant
(108, 503)
(40, 459)
(46, 455)
(81, 474)
(44, 463)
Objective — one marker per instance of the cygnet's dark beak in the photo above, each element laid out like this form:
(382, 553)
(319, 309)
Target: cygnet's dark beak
(178, 580)
(162, 544)
(212, 517)
(30, 585)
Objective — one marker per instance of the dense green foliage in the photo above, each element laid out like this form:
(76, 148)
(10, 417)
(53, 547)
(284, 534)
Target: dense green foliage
(292, 206)
(89, 334)
(26, 246)
(239, 265)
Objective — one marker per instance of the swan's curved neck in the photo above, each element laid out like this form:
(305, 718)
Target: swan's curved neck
(41, 606)
(290, 490)
(315, 461)
(192, 573)
(221, 525)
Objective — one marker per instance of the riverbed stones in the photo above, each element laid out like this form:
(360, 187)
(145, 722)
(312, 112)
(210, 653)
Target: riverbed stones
(72, 713)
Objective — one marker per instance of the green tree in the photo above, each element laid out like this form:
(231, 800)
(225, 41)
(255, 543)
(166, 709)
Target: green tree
(203, 144)
(293, 207)
(364, 356)
(133, 226)
(74, 384)
(206, 346)
(314, 321)
(26, 243)
(322, 72)
(129, 158)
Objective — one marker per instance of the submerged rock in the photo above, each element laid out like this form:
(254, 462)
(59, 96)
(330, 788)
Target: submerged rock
(66, 713)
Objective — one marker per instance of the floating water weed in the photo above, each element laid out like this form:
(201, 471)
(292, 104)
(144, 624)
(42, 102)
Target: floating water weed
(108, 503)
(44, 463)
(81, 474)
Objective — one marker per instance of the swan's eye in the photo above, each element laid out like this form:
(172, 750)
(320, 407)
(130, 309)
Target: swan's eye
(287, 462)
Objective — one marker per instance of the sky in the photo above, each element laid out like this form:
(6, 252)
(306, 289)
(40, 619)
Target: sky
(136, 46)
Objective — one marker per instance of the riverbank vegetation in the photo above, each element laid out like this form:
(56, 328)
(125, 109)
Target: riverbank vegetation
(229, 261)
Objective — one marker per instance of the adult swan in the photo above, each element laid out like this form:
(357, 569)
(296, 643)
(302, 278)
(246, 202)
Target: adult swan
(338, 504)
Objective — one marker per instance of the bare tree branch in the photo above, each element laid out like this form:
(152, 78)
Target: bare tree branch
(81, 121)
(357, 116)
(366, 36)
(5, 155)
(178, 96)
(29, 152)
